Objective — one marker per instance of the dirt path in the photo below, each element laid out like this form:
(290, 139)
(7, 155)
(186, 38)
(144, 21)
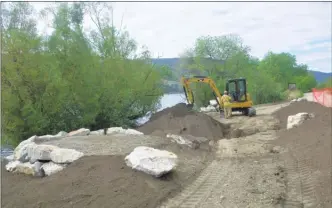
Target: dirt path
(245, 172)
(265, 167)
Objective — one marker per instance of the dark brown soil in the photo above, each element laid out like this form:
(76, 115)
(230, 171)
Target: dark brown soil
(93, 181)
(181, 120)
(309, 146)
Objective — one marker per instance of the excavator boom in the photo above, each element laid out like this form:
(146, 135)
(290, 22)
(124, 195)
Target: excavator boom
(189, 94)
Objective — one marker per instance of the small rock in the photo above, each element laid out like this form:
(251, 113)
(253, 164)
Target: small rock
(79, 132)
(63, 155)
(180, 140)
(44, 138)
(49, 137)
(222, 197)
(98, 132)
(51, 168)
(213, 103)
(294, 100)
(26, 168)
(120, 130)
(61, 134)
(209, 108)
(276, 149)
(151, 161)
(11, 166)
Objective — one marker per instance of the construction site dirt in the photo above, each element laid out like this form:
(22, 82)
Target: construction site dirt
(182, 120)
(308, 162)
(253, 162)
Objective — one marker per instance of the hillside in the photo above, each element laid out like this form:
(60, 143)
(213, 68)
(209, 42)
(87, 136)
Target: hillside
(173, 62)
(321, 76)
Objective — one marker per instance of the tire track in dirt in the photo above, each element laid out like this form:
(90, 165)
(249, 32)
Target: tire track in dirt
(200, 189)
(300, 184)
(293, 186)
(308, 183)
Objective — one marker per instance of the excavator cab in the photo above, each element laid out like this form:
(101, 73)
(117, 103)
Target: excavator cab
(237, 89)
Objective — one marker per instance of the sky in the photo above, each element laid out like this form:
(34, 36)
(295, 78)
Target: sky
(169, 28)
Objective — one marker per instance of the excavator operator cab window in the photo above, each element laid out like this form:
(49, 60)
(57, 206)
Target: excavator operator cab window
(237, 89)
(242, 90)
(231, 85)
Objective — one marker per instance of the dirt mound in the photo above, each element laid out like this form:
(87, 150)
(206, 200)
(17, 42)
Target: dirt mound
(309, 153)
(299, 107)
(95, 181)
(181, 120)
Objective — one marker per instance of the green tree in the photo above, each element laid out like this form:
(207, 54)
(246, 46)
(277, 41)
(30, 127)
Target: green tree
(218, 57)
(72, 79)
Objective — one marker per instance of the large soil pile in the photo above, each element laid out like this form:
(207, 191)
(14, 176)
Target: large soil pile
(100, 181)
(309, 151)
(181, 120)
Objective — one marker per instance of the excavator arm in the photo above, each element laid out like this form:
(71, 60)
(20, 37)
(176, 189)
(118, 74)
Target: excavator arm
(188, 92)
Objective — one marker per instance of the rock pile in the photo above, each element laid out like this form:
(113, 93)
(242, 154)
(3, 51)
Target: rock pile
(212, 107)
(40, 159)
(34, 158)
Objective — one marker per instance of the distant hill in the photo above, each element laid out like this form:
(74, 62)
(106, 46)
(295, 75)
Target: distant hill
(321, 76)
(173, 62)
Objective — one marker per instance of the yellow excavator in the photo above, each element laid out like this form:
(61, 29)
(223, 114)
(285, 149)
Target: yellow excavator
(237, 90)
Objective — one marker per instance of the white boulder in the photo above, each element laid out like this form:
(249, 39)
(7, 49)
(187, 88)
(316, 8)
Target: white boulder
(63, 155)
(44, 138)
(79, 132)
(98, 132)
(151, 161)
(51, 168)
(21, 151)
(48, 137)
(25, 142)
(298, 119)
(120, 130)
(182, 141)
(11, 166)
(26, 168)
(40, 152)
(61, 134)
(213, 103)
(209, 108)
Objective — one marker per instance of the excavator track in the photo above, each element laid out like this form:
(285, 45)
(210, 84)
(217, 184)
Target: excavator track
(200, 189)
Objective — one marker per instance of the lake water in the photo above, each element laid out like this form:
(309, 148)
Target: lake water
(168, 100)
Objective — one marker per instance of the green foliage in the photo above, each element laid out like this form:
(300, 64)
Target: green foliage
(72, 79)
